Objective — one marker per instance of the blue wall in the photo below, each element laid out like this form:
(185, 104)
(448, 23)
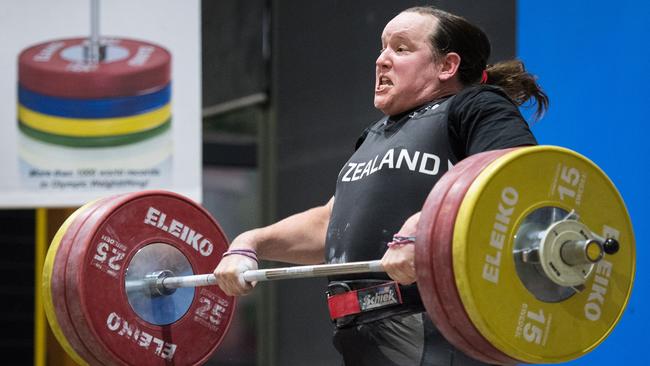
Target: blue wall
(593, 59)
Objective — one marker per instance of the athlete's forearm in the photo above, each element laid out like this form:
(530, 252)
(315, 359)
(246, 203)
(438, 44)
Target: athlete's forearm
(299, 238)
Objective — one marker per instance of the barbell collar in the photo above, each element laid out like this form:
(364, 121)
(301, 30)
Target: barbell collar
(578, 252)
(156, 283)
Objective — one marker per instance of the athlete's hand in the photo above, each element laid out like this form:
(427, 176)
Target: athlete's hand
(399, 260)
(230, 269)
(399, 263)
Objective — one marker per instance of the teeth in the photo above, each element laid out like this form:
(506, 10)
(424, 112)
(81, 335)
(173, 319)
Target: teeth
(385, 81)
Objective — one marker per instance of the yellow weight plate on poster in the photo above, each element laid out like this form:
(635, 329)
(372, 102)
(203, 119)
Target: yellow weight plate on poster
(98, 127)
(506, 313)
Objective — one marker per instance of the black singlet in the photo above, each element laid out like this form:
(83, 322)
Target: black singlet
(398, 160)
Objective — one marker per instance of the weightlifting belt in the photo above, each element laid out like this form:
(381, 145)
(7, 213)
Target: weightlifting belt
(370, 298)
(362, 301)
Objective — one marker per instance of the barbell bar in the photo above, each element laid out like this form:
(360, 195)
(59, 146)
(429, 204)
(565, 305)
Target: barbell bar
(163, 282)
(500, 251)
(576, 252)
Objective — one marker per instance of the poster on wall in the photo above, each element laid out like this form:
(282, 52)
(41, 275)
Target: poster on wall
(98, 98)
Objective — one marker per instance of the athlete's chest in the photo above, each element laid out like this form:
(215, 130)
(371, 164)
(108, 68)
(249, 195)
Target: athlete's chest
(418, 145)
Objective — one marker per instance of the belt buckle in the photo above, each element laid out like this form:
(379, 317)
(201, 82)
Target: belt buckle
(335, 288)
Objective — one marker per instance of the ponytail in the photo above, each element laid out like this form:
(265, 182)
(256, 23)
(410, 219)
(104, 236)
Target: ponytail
(520, 85)
(456, 34)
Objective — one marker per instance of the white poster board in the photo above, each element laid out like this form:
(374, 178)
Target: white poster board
(42, 172)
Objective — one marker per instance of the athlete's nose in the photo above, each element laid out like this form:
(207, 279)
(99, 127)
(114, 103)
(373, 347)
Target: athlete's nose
(383, 60)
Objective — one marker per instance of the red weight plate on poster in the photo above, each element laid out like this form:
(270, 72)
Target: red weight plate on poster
(58, 68)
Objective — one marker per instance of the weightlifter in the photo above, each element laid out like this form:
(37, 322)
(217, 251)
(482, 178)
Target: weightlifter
(442, 103)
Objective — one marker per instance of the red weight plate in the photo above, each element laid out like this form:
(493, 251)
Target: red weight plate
(57, 285)
(80, 240)
(423, 259)
(96, 272)
(429, 291)
(443, 261)
(131, 68)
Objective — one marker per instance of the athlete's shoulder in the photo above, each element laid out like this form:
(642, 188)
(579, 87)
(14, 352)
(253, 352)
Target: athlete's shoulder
(482, 94)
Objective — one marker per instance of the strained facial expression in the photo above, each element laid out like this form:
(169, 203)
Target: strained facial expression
(406, 74)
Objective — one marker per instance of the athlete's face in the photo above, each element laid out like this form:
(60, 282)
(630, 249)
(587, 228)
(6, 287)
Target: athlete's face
(406, 73)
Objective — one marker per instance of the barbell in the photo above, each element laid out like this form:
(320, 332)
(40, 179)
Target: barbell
(523, 255)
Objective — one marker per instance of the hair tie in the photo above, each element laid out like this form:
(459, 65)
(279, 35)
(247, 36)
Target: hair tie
(401, 240)
(484, 77)
(243, 252)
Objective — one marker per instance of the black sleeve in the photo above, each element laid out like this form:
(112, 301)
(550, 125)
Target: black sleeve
(484, 118)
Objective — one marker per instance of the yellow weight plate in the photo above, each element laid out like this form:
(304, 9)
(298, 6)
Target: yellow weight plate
(494, 296)
(48, 304)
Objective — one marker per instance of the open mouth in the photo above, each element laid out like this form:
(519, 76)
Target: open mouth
(383, 84)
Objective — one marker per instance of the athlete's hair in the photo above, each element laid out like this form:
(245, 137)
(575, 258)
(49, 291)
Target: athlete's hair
(455, 34)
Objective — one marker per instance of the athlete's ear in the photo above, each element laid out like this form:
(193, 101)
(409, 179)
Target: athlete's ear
(449, 66)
